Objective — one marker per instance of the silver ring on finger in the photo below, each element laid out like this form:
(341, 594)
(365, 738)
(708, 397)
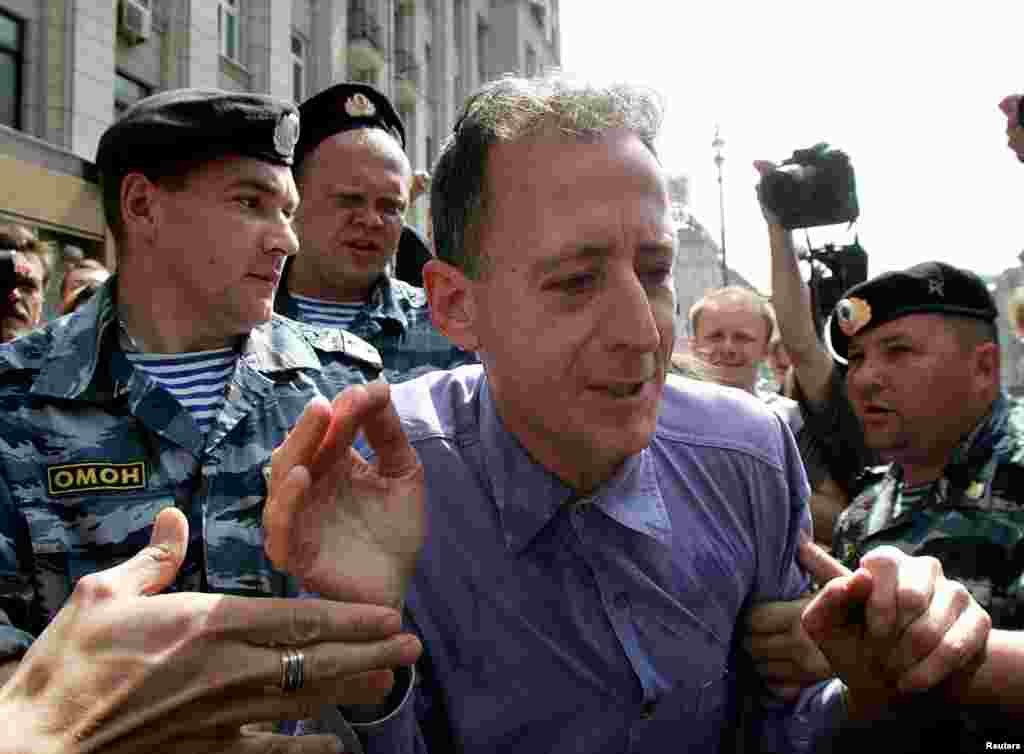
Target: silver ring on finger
(293, 669)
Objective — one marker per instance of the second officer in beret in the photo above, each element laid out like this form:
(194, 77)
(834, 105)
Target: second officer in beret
(924, 380)
(354, 179)
(170, 388)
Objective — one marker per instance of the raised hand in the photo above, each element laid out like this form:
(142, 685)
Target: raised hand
(124, 669)
(348, 529)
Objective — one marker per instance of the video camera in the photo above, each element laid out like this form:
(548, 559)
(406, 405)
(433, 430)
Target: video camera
(814, 187)
(846, 267)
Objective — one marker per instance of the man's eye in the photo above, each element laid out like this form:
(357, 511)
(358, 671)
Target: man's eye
(657, 276)
(577, 283)
(249, 202)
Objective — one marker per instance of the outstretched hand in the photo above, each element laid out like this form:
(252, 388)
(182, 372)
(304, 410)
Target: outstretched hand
(348, 529)
(122, 668)
(893, 627)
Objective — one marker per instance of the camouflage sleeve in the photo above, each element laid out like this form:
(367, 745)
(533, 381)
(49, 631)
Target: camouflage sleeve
(16, 592)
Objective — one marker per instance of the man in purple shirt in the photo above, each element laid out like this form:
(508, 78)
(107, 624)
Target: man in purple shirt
(594, 534)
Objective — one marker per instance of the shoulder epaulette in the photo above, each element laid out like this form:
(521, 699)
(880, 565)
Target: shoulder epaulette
(336, 340)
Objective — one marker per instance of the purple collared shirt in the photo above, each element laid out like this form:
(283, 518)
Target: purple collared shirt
(609, 623)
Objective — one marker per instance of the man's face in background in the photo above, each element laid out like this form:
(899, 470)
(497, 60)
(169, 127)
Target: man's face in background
(22, 307)
(731, 337)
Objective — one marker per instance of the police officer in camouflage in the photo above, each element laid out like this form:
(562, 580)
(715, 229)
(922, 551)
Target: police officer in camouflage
(924, 380)
(354, 179)
(168, 391)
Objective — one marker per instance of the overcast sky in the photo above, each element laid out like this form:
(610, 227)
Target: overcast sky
(909, 89)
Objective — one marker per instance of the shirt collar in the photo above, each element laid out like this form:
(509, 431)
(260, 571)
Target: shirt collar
(528, 496)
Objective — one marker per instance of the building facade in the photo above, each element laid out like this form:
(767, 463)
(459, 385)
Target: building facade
(68, 68)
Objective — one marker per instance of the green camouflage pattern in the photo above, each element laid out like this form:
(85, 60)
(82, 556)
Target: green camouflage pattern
(91, 449)
(972, 520)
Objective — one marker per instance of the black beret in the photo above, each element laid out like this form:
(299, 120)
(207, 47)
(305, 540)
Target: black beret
(927, 288)
(345, 107)
(198, 124)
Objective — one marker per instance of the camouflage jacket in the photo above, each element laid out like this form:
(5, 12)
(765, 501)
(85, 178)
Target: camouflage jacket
(396, 321)
(91, 450)
(972, 520)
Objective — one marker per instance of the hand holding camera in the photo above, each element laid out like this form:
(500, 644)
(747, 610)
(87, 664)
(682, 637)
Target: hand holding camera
(814, 187)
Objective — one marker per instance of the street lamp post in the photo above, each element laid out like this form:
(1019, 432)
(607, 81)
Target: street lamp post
(717, 145)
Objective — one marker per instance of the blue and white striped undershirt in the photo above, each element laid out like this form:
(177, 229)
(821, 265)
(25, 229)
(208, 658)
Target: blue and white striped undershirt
(197, 379)
(316, 311)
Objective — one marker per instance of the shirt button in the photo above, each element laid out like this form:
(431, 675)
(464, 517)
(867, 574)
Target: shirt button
(647, 710)
(233, 393)
(620, 601)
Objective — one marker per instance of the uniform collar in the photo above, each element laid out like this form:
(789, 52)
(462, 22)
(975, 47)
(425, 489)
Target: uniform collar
(384, 307)
(78, 340)
(528, 496)
(82, 341)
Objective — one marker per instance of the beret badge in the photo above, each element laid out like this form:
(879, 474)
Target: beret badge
(286, 134)
(359, 106)
(852, 315)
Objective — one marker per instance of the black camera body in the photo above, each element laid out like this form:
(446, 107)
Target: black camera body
(815, 186)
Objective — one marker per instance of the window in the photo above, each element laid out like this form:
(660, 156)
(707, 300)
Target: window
(228, 28)
(531, 61)
(298, 69)
(11, 42)
(481, 49)
(127, 91)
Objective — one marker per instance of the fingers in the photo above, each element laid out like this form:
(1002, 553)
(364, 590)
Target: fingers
(904, 585)
(784, 672)
(153, 568)
(383, 430)
(241, 706)
(764, 167)
(822, 566)
(300, 446)
(279, 513)
(296, 622)
(834, 606)
(348, 410)
(961, 644)
(776, 617)
(333, 663)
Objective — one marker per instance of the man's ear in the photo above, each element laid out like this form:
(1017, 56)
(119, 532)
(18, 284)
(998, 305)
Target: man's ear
(452, 303)
(138, 196)
(987, 366)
